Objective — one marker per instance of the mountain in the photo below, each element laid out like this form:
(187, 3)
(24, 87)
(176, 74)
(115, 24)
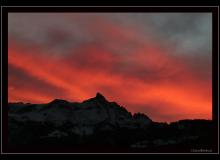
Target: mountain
(98, 123)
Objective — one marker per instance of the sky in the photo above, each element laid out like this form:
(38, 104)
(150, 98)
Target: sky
(154, 63)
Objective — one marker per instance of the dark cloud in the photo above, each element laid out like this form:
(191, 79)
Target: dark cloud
(135, 59)
(19, 79)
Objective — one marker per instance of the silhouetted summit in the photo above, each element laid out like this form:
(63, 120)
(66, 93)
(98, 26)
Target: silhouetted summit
(99, 96)
(96, 122)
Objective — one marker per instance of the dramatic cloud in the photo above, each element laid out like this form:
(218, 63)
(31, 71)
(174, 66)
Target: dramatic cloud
(156, 63)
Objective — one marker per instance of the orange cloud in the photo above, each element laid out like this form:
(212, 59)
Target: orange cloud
(147, 79)
(186, 96)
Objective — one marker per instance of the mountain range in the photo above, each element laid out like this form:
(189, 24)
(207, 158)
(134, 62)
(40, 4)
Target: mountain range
(97, 125)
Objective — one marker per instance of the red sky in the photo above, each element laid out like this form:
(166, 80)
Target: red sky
(137, 65)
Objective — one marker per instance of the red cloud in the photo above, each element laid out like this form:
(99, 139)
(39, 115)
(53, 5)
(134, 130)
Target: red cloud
(186, 97)
(149, 79)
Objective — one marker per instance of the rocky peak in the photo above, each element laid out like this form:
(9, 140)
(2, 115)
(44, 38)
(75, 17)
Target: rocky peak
(99, 96)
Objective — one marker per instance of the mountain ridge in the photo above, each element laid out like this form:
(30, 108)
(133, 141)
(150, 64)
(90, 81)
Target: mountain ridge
(98, 97)
(97, 122)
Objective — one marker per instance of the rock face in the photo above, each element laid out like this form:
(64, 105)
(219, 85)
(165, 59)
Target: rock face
(90, 112)
(96, 121)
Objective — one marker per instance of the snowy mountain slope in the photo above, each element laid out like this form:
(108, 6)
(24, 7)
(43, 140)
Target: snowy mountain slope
(97, 121)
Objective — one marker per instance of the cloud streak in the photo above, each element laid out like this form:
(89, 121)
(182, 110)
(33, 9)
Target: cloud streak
(73, 56)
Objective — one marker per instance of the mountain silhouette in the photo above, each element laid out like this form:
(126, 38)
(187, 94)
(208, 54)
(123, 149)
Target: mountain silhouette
(98, 123)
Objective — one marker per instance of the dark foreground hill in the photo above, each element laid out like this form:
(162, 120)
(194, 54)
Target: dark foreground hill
(96, 125)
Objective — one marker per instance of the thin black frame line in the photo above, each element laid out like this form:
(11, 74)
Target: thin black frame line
(112, 6)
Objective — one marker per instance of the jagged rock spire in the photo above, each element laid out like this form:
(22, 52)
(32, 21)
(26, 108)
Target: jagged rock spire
(99, 96)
